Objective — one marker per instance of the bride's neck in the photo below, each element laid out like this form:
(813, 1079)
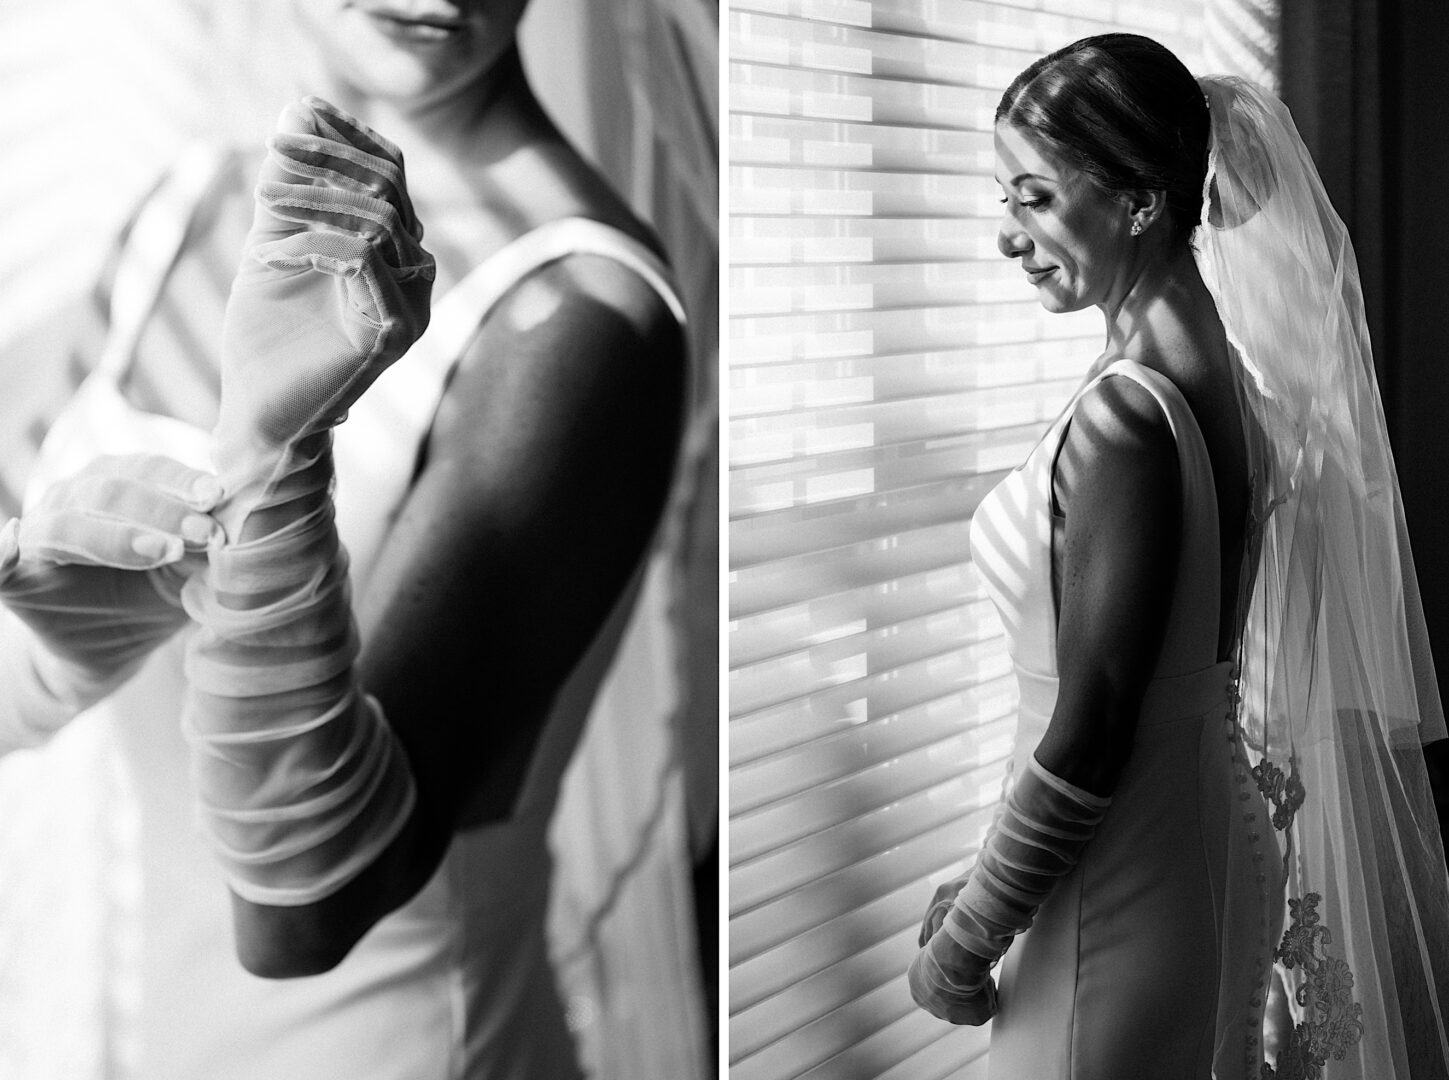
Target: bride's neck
(1167, 303)
(480, 123)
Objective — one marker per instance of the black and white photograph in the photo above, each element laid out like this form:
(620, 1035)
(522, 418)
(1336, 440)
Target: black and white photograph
(701, 539)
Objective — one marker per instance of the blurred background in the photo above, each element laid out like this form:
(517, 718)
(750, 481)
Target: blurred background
(97, 97)
(884, 370)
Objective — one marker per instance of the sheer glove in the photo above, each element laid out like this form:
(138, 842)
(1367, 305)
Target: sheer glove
(301, 781)
(941, 903)
(92, 578)
(1036, 839)
(333, 287)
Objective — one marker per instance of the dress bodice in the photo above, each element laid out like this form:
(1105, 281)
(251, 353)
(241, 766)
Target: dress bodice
(1016, 527)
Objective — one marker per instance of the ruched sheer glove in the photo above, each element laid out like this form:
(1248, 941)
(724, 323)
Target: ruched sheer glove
(333, 287)
(302, 783)
(941, 904)
(1036, 839)
(91, 578)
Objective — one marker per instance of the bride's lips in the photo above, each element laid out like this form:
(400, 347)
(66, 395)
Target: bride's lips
(431, 24)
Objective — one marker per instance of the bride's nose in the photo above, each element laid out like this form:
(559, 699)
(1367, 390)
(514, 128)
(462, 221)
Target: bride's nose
(1011, 239)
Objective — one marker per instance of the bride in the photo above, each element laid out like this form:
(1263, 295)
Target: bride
(1209, 600)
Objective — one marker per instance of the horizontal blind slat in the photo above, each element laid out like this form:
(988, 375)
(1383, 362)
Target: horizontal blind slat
(870, 989)
(788, 581)
(774, 631)
(767, 780)
(845, 842)
(780, 677)
(875, 789)
(766, 974)
(929, 678)
(878, 895)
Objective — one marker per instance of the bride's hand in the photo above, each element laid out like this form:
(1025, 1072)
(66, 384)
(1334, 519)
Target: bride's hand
(95, 568)
(933, 989)
(334, 285)
(941, 902)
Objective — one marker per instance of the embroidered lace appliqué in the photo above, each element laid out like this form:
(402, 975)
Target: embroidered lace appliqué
(1332, 1020)
(1284, 792)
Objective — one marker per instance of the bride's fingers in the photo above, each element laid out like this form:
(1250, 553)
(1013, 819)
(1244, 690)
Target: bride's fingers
(166, 476)
(331, 209)
(332, 122)
(120, 521)
(933, 920)
(349, 159)
(345, 211)
(156, 500)
(313, 139)
(79, 538)
(330, 163)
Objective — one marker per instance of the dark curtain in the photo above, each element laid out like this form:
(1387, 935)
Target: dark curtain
(1368, 84)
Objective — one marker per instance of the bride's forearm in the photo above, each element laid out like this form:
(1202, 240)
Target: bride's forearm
(301, 779)
(266, 489)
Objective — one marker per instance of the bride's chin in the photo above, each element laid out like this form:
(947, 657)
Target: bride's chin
(381, 68)
(1057, 304)
(398, 82)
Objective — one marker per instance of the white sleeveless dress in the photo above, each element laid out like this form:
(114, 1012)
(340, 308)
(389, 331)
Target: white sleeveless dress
(1147, 960)
(458, 984)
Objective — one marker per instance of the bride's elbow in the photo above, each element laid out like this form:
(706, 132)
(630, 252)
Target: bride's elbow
(289, 943)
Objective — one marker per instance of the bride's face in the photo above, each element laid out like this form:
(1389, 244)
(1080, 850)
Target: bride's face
(1072, 238)
(410, 53)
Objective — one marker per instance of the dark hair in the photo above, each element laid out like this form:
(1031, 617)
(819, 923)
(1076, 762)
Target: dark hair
(1126, 112)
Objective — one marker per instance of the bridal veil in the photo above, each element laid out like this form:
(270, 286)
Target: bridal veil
(1336, 685)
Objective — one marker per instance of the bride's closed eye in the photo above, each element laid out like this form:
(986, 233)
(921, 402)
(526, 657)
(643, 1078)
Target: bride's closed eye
(1030, 204)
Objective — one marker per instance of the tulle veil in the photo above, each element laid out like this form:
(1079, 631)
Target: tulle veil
(1336, 684)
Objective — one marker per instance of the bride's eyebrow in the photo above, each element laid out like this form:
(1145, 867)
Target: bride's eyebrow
(1019, 177)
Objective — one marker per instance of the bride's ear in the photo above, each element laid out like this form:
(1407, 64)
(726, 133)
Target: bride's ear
(1144, 209)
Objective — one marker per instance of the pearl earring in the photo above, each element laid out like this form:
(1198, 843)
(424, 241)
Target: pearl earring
(1137, 228)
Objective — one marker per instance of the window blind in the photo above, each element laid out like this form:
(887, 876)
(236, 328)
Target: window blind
(886, 368)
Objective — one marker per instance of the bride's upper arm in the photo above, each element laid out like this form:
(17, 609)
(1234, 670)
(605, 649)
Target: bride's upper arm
(542, 482)
(1121, 487)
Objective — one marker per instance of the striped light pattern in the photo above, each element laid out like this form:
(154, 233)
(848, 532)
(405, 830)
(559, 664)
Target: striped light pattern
(887, 366)
(96, 98)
